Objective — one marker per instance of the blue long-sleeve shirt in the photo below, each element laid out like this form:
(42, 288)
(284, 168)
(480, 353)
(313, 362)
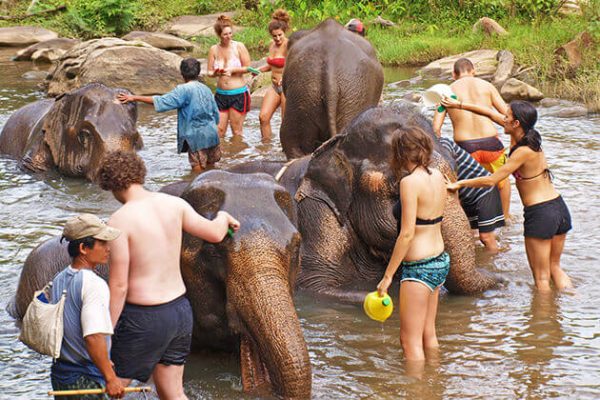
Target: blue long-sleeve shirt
(197, 115)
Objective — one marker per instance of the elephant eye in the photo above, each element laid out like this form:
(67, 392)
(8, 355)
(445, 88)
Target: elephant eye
(83, 137)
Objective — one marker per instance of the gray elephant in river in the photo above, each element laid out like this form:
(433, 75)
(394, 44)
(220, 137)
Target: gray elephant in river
(345, 196)
(240, 289)
(331, 75)
(71, 133)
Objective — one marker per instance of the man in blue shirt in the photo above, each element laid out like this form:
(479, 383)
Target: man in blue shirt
(482, 205)
(197, 116)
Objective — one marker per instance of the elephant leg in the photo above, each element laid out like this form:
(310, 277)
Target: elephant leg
(464, 277)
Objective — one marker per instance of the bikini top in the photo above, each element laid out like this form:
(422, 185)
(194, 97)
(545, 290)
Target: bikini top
(419, 221)
(277, 62)
(234, 58)
(520, 177)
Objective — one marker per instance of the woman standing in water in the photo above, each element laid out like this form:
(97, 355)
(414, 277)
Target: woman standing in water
(547, 218)
(275, 62)
(229, 61)
(419, 247)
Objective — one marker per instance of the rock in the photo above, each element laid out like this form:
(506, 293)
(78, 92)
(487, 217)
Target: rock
(412, 97)
(571, 7)
(400, 84)
(257, 97)
(24, 35)
(195, 25)
(489, 27)
(59, 43)
(506, 63)
(527, 75)
(570, 112)
(35, 75)
(549, 102)
(160, 40)
(383, 22)
(484, 61)
(515, 89)
(569, 57)
(134, 65)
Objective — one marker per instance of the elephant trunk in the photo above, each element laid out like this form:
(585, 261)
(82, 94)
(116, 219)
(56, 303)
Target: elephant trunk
(273, 351)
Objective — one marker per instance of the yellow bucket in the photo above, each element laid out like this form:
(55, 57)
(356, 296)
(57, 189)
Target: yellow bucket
(378, 308)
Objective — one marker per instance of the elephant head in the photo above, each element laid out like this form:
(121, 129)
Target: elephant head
(85, 124)
(241, 289)
(345, 209)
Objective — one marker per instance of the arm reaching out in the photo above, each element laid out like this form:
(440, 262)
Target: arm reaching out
(491, 114)
(212, 231)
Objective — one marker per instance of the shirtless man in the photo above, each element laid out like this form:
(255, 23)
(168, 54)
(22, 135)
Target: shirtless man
(474, 133)
(147, 294)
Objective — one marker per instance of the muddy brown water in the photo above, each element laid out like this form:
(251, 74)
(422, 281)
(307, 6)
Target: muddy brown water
(507, 343)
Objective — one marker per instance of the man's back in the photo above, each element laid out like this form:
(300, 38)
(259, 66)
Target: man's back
(468, 125)
(152, 227)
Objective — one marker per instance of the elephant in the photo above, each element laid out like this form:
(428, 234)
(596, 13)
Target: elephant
(344, 196)
(72, 132)
(331, 75)
(240, 289)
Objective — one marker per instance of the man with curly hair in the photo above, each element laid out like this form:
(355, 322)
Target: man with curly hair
(148, 307)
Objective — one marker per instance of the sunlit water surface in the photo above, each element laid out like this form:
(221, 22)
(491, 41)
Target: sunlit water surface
(507, 343)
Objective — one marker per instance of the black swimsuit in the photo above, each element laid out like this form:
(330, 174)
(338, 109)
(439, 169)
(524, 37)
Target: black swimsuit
(396, 211)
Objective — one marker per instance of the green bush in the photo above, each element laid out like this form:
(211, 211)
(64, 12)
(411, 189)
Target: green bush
(92, 18)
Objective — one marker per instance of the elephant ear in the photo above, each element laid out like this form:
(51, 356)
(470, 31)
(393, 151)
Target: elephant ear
(329, 179)
(54, 125)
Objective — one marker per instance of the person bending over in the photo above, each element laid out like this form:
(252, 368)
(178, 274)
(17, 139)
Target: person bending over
(197, 116)
(547, 218)
(153, 317)
(419, 248)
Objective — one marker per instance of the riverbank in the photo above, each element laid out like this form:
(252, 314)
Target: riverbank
(410, 42)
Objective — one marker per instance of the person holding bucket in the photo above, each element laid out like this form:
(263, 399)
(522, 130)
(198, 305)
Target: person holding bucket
(474, 133)
(419, 247)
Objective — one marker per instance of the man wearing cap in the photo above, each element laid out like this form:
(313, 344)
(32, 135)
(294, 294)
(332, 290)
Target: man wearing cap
(84, 355)
(355, 25)
(153, 317)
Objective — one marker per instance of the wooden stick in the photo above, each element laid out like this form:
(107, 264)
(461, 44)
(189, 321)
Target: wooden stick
(95, 391)
(17, 17)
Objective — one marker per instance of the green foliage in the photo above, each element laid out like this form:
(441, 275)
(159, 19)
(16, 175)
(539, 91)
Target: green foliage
(101, 17)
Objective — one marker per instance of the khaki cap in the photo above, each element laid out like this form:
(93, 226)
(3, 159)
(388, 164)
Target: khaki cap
(85, 225)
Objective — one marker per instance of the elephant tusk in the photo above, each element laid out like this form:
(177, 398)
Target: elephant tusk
(279, 174)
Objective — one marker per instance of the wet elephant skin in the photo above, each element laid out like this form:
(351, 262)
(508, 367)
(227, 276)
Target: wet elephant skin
(331, 75)
(71, 133)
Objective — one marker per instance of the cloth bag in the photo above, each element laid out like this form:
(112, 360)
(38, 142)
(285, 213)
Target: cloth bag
(42, 328)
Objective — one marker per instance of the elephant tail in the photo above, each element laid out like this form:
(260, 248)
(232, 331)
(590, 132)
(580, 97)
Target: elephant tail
(331, 101)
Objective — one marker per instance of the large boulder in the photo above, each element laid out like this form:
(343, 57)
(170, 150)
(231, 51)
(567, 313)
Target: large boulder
(134, 65)
(489, 27)
(506, 63)
(57, 46)
(515, 89)
(187, 26)
(160, 40)
(24, 35)
(569, 57)
(485, 63)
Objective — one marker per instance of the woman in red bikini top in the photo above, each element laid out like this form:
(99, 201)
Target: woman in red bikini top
(275, 62)
(546, 216)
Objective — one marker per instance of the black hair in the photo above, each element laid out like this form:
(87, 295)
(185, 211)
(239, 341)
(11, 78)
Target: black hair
(73, 247)
(526, 114)
(190, 69)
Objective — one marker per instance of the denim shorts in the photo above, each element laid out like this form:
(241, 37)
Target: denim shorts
(430, 271)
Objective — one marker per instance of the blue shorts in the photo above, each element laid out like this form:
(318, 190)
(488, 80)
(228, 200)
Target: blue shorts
(148, 335)
(430, 271)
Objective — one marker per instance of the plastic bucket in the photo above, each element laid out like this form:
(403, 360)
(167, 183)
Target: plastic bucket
(378, 308)
(434, 94)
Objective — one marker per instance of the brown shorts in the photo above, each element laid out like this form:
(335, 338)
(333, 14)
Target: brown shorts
(204, 157)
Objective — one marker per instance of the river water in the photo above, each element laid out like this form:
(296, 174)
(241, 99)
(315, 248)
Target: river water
(507, 343)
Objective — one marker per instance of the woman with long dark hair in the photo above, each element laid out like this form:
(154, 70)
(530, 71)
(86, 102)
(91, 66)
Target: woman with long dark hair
(419, 248)
(547, 218)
